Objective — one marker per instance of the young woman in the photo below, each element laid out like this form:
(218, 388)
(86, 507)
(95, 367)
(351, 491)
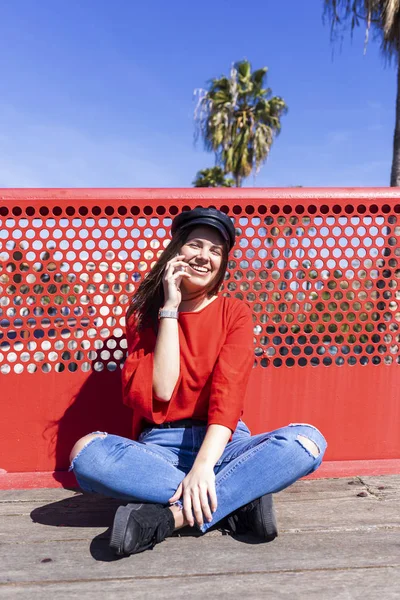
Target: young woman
(191, 459)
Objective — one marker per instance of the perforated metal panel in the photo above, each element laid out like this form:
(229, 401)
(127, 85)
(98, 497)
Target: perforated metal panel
(322, 282)
(319, 269)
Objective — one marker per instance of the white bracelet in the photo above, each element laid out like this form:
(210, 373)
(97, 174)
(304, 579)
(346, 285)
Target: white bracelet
(162, 313)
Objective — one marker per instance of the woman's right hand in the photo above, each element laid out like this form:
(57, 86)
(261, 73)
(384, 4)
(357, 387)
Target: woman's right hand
(173, 274)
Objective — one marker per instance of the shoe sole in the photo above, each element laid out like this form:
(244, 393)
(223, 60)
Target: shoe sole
(119, 527)
(264, 527)
(268, 518)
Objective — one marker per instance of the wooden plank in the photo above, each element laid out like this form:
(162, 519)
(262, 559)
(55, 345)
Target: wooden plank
(383, 487)
(37, 495)
(320, 515)
(343, 487)
(307, 505)
(93, 561)
(354, 513)
(332, 544)
(68, 507)
(348, 584)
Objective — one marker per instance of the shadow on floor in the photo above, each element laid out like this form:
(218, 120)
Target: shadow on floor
(80, 510)
(93, 510)
(90, 510)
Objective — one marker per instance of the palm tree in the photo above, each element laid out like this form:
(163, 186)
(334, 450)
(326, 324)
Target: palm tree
(383, 17)
(213, 177)
(238, 118)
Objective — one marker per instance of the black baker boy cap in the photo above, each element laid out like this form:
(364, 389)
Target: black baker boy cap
(206, 216)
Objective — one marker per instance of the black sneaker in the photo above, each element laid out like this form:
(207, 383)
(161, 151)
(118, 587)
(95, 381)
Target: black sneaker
(257, 517)
(138, 527)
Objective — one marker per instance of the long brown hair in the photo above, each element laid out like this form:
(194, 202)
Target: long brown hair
(149, 297)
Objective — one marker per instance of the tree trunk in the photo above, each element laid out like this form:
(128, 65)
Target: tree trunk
(395, 174)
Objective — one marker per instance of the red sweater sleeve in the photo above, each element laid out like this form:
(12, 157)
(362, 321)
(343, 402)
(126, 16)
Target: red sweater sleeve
(232, 370)
(137, 375)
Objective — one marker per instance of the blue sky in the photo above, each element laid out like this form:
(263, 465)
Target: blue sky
(99, 93)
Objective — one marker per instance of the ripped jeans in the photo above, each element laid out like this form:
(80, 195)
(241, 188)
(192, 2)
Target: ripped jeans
(151, 469)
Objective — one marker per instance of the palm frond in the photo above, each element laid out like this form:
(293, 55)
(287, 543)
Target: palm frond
(212, 177)
(237, 118)
(380, 16)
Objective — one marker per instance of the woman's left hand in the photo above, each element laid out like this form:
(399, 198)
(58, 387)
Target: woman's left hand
(198, 494)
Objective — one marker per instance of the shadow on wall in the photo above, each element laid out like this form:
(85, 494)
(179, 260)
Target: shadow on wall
(98, 406)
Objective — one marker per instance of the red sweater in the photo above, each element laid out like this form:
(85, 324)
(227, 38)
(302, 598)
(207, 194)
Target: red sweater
(216, 358)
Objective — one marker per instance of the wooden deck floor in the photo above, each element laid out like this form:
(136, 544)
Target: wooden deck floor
(339, 538)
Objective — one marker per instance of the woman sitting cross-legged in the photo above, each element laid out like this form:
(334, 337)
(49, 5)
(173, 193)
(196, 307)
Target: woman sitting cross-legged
(191, 459)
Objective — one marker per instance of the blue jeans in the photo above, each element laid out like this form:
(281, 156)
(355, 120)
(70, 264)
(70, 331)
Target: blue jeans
(151, 469)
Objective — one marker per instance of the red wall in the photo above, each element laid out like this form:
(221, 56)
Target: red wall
(319, 267)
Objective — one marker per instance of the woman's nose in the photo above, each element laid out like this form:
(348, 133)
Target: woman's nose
(203, 253)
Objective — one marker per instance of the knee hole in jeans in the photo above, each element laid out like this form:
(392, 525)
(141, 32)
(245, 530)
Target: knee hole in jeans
(309, 445)
(82, 443)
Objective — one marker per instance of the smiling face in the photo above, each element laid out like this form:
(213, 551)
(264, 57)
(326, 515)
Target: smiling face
(203, 251)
